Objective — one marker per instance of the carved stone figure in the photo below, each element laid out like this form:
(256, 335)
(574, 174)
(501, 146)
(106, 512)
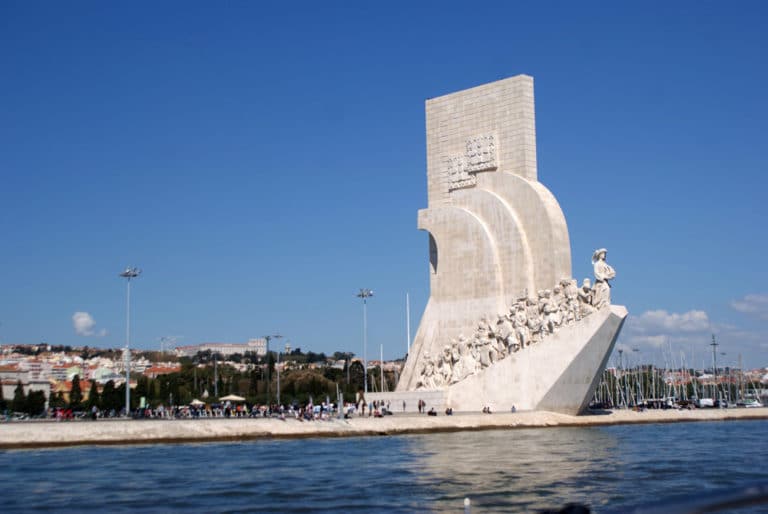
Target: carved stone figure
(551, 311)
(601, 292)
(455, 354)
(506, 338)
(466, 365)
(558, 298)
(446, 365)
(485, 329)
(429, 374)
(585, 298)
(571, 290)
(421, 384)
(522, 332)
(534, 319)
(481, 353)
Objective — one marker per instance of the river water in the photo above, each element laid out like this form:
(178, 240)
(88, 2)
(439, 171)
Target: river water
(499, 470)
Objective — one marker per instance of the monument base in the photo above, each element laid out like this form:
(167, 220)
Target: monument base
(408, 401)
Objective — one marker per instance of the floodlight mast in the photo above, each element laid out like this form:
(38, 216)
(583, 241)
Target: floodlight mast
(128, 274)
(287, 351)
(714, 344)
(269, 375)
(365, 294)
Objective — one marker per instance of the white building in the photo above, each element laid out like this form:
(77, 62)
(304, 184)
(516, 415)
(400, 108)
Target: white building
(257, 346)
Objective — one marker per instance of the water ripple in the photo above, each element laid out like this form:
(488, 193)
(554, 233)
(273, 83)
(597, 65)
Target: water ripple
(503, 470)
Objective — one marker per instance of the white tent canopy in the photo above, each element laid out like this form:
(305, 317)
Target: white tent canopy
(232, 398)
(196, 402)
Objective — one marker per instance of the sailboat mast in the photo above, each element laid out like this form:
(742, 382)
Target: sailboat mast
(714, 346)
(741, 379)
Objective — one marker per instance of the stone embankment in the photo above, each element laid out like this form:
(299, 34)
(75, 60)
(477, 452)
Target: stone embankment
(41, 434)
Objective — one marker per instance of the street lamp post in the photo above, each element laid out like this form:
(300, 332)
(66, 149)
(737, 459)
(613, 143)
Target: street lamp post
(269, 377)
(128, 274)
(287, 351)
(195, 363)
(365, 294)
(216, 376)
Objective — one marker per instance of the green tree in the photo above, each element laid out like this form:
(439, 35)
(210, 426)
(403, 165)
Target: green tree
(334, 374)
(120, 398)
(220, 386)
(253, 383)
(19, 403)
(316, 357)
(93, 397)
(57, 400)
(35, 403)
(3, 403)
(339, 356)
(142, 387)
(355, 376)
(301, 384)
(164, 391)
(75, 394)
(110, 397)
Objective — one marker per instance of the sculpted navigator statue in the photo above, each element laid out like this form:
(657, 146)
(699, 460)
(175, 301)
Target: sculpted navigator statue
(601, 292)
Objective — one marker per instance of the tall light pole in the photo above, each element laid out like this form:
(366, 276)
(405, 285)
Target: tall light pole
(365, 294)
(287, 351)
(128, 274)
(714, 346)
(194, 361)
(408, 321)
(381, 368)
(216, 375)
(269, 377)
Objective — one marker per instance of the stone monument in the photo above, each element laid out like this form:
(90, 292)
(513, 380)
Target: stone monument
(505, 324)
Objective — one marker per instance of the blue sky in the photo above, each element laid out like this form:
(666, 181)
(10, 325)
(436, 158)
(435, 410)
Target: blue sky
(262, 163)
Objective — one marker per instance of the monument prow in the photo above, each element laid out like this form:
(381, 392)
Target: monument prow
(505, 324)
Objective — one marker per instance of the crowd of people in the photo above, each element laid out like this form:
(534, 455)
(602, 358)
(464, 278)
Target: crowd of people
(306, 412)
(228, 409)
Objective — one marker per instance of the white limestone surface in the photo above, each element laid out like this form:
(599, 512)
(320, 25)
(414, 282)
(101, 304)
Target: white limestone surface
(52, 434)
(496, 232)
(525, 379)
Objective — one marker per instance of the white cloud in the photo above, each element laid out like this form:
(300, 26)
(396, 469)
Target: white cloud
(661, 336)
(662, 322)
(752, 304)
(656, 341)
(84, 325)
(656, 329)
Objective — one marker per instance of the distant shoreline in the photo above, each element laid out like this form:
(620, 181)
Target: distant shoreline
(52, 434)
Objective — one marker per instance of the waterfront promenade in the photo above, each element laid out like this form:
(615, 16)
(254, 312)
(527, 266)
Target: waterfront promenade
(41, 434)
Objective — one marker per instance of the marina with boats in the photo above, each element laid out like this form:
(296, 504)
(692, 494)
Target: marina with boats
(676, 385)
